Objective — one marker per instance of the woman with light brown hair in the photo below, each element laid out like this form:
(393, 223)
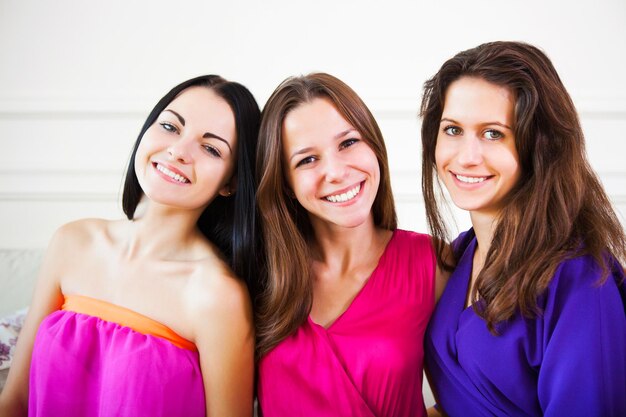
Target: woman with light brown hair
(532, 319)
(342, 315)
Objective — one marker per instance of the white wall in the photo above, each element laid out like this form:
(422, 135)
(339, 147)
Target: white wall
(78, 78)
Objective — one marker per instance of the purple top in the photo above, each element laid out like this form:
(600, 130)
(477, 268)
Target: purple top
(570, 361)
(369, 361)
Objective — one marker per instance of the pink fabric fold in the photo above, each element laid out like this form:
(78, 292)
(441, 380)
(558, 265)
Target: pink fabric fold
(85, 366)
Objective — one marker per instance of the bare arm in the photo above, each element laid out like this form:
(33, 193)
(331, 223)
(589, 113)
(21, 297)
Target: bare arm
(47, 298)
(225, 340)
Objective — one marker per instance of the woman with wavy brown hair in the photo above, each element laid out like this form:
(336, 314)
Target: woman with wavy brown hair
(532, 319)
(341, 319)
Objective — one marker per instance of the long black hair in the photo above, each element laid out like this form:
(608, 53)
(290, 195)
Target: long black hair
(228, 222)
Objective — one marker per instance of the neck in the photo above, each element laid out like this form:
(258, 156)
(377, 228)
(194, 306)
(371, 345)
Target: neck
(162, 232)
(484, 226)
(343, 249)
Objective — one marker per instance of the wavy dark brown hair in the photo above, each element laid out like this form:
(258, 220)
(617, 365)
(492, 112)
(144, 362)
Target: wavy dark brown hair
(286, 298)
(558, 208)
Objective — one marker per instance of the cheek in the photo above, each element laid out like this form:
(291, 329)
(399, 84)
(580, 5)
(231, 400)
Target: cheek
(301, 183)
(512, 166)
(139, 159)
(515, 172)
(369, 156)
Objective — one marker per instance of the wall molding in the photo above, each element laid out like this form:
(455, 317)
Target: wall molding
(63, 197)
(595, 105)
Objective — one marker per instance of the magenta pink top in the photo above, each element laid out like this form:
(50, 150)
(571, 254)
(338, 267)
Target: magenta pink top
(96, 359)
(369, 362)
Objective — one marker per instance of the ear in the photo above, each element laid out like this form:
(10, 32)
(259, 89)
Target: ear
(229, 188)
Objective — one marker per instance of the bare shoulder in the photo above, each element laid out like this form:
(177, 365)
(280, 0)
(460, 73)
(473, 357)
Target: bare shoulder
(214, 291)
(223, 332)
(75, 241)
(80, 232)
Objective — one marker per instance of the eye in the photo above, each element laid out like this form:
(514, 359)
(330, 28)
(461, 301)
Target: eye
(169, 127)
(347, 143)
(453, 130)
(305, 161)
(493, 134)
(212, 150)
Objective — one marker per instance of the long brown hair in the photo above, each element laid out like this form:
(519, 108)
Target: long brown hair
(558, 208)
(286, 298)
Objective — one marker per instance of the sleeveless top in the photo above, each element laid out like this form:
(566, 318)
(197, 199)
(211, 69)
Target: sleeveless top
(93, 358)
(369, 361)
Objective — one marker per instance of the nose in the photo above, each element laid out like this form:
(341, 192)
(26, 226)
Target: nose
(180, 151)
(470, 151)
(334, 168)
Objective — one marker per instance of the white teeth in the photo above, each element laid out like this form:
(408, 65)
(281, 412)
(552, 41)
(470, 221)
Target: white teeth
(470, 180)
(171, 174)
(348, 195)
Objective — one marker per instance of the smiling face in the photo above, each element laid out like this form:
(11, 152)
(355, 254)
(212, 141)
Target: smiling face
(332, 171)
(475, 153)
(188, 154)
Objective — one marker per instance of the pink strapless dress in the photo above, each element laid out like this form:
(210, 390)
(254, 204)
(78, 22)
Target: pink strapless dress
(97, 359)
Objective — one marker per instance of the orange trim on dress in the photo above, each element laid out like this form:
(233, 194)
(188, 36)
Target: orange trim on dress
(124, 317)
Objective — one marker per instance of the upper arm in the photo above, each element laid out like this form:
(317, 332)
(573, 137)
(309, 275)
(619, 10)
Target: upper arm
(47, 297)
(583, 370)
(224, 336)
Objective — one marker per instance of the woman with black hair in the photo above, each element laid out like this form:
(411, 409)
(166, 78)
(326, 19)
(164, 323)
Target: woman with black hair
(146, 315)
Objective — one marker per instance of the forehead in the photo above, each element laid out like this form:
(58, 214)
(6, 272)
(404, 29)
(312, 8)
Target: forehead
(475, 98)
(202, 108)
(313, 121)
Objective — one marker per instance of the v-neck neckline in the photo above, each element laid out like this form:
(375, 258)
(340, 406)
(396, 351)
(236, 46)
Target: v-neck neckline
(360, 292)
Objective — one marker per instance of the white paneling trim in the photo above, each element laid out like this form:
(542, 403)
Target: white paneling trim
(597, 105)
(60, 185)
(70, 107)
(58, 197)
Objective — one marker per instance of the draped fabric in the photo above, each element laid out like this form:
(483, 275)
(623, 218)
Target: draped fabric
(569, 361)
(369, 362)
(92, 365)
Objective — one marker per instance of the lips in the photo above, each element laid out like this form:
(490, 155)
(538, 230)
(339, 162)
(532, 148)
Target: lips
(471, 179)
(172, 173)
(344, 196)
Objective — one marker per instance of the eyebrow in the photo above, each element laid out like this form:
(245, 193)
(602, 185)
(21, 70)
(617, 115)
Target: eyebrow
(445, 119)
(344, 133)
(207, 135)
(181, 119)
(301, 151)
(308, 149)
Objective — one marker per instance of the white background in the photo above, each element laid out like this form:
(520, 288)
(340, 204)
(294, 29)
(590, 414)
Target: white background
(77, 79)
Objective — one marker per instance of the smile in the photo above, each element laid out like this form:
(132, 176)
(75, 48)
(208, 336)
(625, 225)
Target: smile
(470, 180)
(171, 174)
(347, 196)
